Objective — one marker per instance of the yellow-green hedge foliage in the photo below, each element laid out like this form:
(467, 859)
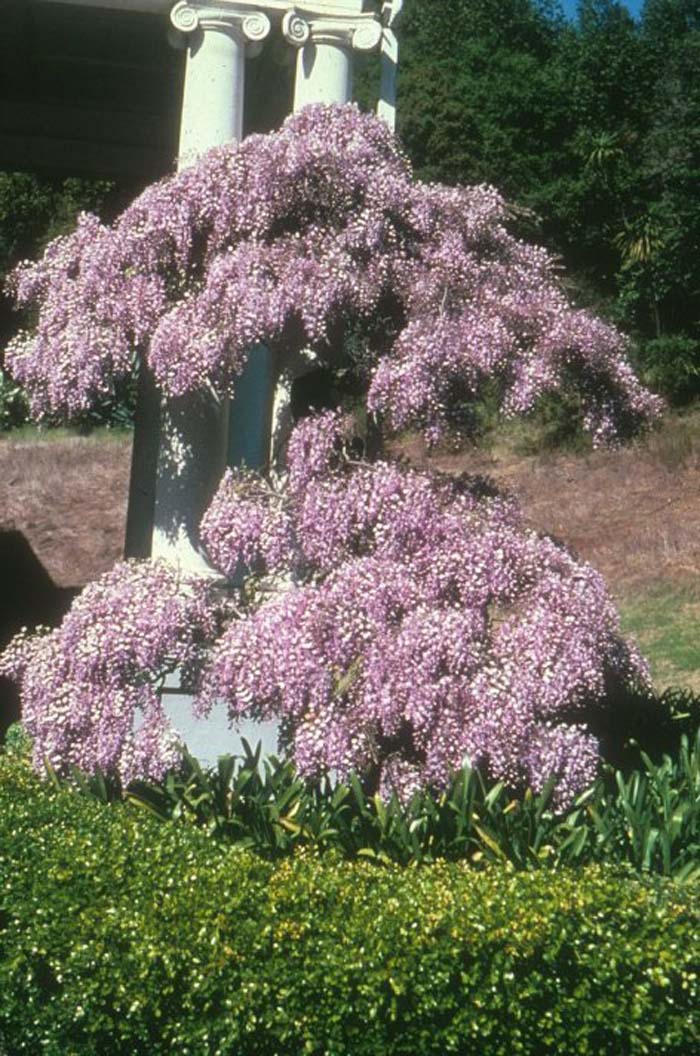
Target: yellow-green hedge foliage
(120, 935)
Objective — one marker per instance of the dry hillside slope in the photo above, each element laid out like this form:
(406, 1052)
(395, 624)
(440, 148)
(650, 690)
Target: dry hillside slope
(633, 513)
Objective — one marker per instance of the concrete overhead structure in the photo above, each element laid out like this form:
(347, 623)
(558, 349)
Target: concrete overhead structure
(199, 435)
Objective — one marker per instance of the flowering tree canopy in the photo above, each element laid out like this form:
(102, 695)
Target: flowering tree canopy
(85, 683)
(426, 624)
(290, 238)
(396, 621)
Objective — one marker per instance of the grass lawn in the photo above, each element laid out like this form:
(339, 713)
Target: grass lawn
(665, 620)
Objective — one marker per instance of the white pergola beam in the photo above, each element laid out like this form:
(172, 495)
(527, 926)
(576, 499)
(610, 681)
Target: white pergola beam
(146, 7)
(159, 7)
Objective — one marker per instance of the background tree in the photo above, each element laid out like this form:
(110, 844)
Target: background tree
(593, 125)
(480, 93)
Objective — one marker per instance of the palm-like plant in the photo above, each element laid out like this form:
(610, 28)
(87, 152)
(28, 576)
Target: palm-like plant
(640, 241)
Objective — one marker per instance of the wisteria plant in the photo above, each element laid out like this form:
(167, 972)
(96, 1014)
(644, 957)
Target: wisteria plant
(395, 621)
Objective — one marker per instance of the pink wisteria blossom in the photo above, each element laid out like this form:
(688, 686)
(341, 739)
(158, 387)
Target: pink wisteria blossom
(90, 688)
(288, 239)
(419, 624)
(397, 622)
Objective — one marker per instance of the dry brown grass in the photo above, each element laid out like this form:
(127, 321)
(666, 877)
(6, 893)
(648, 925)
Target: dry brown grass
(633, 513)
(68, 498)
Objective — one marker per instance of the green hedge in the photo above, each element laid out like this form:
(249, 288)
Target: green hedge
(122, 935)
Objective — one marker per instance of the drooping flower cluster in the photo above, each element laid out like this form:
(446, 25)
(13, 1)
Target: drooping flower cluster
(402, 621)
(287, 238)
(420, 624)
(90, 688)
(247, 526)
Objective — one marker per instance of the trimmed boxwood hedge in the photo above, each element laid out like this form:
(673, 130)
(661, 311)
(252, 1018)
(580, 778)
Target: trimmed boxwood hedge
(122, 935)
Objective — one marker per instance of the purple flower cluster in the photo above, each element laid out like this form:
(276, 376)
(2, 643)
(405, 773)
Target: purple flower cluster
(287, 237)
(417, 624)
(247, 526)
(90, 688)
(398, 622)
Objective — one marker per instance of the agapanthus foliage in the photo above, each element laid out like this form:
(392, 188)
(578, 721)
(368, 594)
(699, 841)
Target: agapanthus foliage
(396, 621)
(290, 238)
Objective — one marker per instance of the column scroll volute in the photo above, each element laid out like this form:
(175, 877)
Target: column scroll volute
(252, 26)
(361, 32)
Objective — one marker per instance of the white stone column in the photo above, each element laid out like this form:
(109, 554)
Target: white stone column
(386, 106)
(326, 35)
(219, 35)
(195, 428)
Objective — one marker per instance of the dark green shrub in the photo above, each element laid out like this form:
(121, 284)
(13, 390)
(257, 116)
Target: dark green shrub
(670, 365)
(639, 721)
(14, 408)
(121, 935)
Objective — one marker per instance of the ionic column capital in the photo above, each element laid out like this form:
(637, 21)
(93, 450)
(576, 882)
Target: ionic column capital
(243, 20)
(303, 25)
